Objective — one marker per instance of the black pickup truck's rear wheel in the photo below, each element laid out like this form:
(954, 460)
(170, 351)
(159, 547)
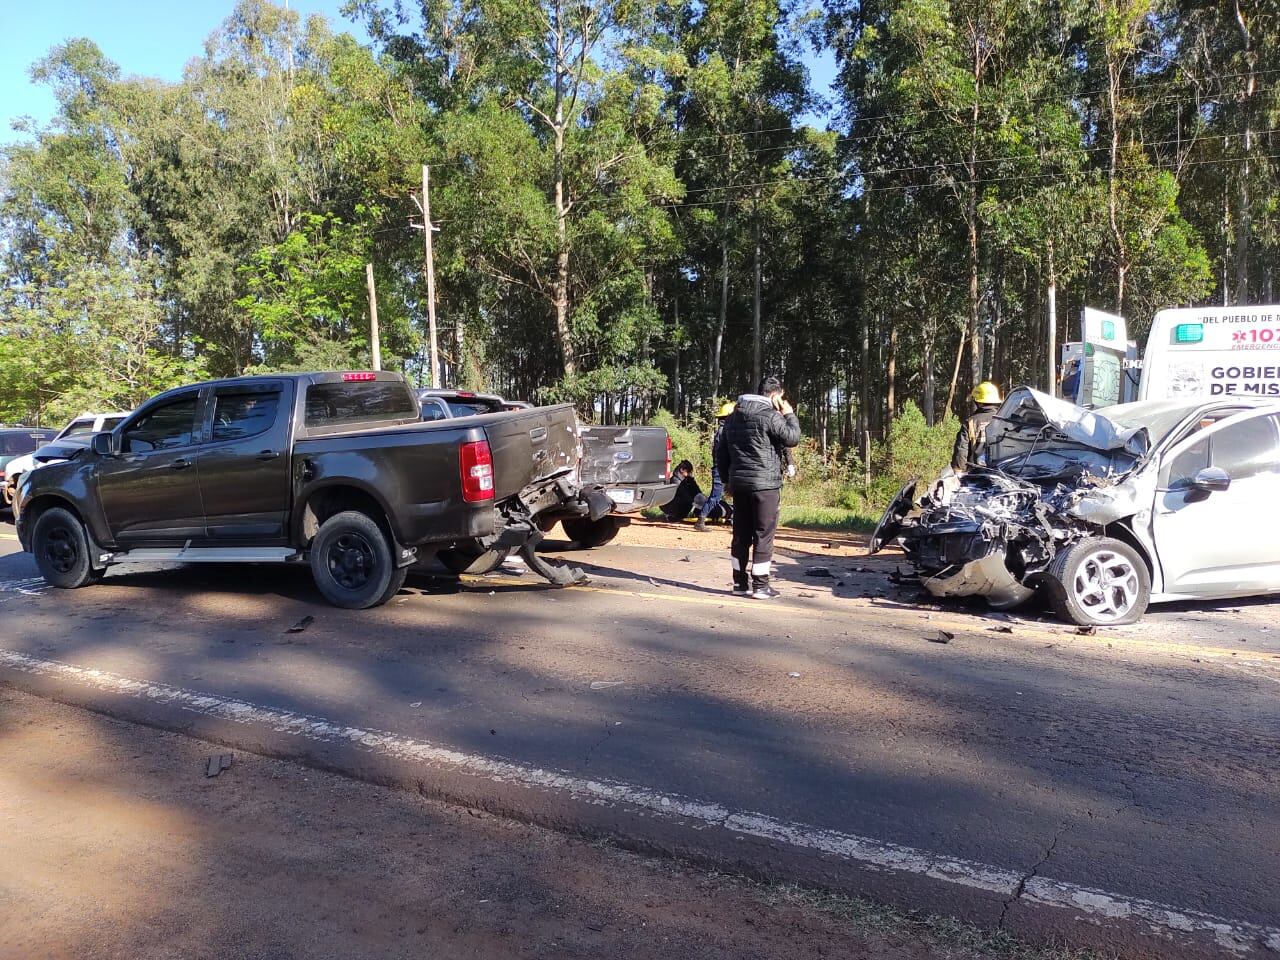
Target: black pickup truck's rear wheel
(472, 560)
(592, 533)
(61, 549)
(352, 562)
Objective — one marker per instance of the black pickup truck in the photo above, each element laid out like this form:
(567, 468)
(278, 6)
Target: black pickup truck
(334, 469)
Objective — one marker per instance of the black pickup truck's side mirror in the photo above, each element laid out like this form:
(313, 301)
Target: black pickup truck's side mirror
(1211, 480)
(104, 444)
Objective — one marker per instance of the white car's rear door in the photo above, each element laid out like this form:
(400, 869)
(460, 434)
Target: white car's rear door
(1221, 544)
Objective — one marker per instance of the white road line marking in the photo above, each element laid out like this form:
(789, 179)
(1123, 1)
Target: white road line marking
(27, 587)
(1163, 919)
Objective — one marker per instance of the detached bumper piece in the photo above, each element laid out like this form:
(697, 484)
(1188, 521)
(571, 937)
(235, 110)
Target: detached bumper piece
(522, 533)
(988, 578)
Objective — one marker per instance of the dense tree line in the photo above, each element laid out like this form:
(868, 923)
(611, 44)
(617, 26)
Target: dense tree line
(632, 209)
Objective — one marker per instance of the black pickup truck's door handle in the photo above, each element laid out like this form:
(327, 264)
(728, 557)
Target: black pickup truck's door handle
(180, 464)
(269, 455)
(538, 434)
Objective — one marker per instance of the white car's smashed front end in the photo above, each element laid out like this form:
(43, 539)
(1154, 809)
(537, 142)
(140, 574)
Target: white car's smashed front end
(1056, 474)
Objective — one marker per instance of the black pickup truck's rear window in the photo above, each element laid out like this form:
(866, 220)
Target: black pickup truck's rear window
(331, 404)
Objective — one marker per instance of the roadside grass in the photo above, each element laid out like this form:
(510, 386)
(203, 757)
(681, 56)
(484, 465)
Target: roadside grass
(827, 519)
(959, 939)
(820, 519)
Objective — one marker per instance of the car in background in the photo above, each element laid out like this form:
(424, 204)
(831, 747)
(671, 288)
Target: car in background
(439, 404)
(70, 440)
(1106, 511)
(17, 443)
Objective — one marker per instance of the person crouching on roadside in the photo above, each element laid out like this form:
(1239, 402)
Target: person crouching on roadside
(687, 492)
(751, 462)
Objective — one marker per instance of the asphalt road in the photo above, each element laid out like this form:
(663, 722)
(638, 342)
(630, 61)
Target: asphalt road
(1037, 779)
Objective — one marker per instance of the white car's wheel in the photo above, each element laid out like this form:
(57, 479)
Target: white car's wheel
(1099, 581)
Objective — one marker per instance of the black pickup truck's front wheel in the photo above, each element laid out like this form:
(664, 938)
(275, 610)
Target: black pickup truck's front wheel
(61, 549)
(352, 562)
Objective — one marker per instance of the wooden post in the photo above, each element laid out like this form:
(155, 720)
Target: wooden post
(430, 268)
(373, 318)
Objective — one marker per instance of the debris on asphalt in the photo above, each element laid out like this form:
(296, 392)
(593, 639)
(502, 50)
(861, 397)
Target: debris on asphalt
(896, 576)
(806, 595)
(217, 763)
(514, 565)
(686, 560)
(1088, 631)
(302, 624)
(942, 637)
(1001, 628)
(828, 546)
(606, 684)
(818, 572)
(416, 704)
(793, 675)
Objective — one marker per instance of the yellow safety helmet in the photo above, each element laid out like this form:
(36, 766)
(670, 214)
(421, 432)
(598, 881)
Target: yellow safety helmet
(726, 408)
(985, 392)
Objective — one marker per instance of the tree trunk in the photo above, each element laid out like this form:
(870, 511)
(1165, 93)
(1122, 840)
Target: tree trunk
(864, 394)
(724, 307)
(755, 301)
(1051, 338)
(561, 293)
(891, 400)
(971, 216)
(955, 375)
(927, 371)
(1113, 221)
(1243, 216)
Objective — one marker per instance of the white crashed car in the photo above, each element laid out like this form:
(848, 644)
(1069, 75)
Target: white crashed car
(75, 435)
(1106, 511)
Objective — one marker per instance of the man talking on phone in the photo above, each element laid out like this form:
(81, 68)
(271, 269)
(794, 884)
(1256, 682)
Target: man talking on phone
(751, 460)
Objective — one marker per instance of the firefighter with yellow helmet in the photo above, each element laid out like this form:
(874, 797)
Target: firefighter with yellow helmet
(717, 482)
(973, 432)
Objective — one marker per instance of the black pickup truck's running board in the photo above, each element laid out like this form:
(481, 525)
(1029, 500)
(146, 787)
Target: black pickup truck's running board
(207, 555)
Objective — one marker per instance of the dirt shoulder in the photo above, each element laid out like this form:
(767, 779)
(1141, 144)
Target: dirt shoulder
(116, 844)
(655, 533)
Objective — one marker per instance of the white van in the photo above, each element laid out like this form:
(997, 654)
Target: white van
(1211, 353)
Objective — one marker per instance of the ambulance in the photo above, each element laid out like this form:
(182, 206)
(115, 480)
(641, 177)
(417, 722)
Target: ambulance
(1211, 352)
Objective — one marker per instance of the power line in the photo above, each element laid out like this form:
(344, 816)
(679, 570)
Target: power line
(1049, 176)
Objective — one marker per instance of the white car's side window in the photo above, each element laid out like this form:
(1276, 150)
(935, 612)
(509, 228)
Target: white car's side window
(1247, 448)
(1184, 467)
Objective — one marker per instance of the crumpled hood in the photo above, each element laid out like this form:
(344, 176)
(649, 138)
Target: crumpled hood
(1026, 410)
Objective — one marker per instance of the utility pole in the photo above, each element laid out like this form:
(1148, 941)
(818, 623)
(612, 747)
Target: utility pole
(1051, 385)
(430, 267)
(373, 317)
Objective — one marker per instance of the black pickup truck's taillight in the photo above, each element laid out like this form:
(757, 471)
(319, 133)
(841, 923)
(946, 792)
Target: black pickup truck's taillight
(477, 471)
(669, 446)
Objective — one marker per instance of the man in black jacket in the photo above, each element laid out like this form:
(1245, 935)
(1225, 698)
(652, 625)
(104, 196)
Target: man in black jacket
(751, 461)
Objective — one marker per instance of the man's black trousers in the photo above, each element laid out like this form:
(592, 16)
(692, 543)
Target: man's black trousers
(755, 519)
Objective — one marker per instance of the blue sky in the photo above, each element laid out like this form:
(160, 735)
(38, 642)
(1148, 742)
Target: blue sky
(145, 37)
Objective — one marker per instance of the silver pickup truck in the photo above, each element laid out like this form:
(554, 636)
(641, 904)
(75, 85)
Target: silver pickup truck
(631, 465)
